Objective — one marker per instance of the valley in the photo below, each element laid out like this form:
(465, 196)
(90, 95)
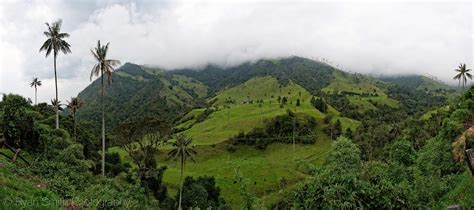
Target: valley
(249, 105)
(245, 122)
(188, 105)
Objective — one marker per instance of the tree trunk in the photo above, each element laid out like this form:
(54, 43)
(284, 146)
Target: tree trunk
(15, 156)
(57, 101)
(293, 134)
(181, 188)
(74, 124)
(103, 126)
(36, 96)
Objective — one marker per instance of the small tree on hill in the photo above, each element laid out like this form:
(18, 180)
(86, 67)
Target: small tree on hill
(182, 151)
(463, 74)
(337, 128)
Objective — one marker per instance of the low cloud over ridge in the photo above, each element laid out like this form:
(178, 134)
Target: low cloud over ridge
(381, 38)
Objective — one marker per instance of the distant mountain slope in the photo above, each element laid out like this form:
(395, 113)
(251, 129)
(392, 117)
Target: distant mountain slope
(135, 92)
(139, 91)
(311, 74)
(417, 82)
(363, 93)
(246, 106)
(212, 104)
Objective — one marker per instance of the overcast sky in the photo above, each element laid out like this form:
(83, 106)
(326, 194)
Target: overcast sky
(429, 38)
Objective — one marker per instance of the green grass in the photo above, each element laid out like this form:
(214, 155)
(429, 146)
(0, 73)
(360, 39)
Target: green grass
(261, 88)
(189, 83)
(23, 192)
(366, 103)
(176, 95)
(461, 194)
(362, 104)
(432, 85)
(353, 84)
(189, 119)
(383, 99)
(263, 169)
(230, 120)
(347, 123)
(427, 115)
(125, 74)
(358, 85)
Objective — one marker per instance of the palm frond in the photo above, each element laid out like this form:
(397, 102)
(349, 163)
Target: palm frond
(112, 62)
(104, 65)
(63, 35)
(95, 71)
(94, 53)
(55, 42)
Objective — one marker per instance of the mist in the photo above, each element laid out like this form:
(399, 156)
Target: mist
(372, 38)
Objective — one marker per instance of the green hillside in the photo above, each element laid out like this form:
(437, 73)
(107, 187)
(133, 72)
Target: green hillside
(171, 94)
(214, 104)
(244, 113)
(264, 169)
(362, 92)
(23, 191)
(418, 82)
(143, 92)
(235, 110)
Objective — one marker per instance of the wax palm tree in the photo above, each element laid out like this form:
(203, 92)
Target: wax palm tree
(182, 151)
(103, 66)
(36, 83)
(55, 43)
(463, 74)
(57, 104)
(74, 104)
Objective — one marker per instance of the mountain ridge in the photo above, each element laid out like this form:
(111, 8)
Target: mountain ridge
(154, 92)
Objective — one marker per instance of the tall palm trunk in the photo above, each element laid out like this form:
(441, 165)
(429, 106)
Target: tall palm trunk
(74, 124)
(36, 95)
(103, 125)
(181, 187)
(56, 84)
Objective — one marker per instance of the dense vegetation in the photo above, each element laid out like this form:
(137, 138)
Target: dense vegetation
(405, 177)
(286, 128)
(68, 170)
(258, 135)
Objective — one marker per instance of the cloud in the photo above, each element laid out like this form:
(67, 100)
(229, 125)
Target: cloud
(381, 38)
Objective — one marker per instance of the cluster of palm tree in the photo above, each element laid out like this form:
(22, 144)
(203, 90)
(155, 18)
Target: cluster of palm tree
(104, 67)
(55, 43)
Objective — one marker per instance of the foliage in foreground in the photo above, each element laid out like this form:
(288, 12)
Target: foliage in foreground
(407, 178)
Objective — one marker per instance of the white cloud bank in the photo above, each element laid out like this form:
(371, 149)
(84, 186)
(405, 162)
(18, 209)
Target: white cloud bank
(381, 38)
